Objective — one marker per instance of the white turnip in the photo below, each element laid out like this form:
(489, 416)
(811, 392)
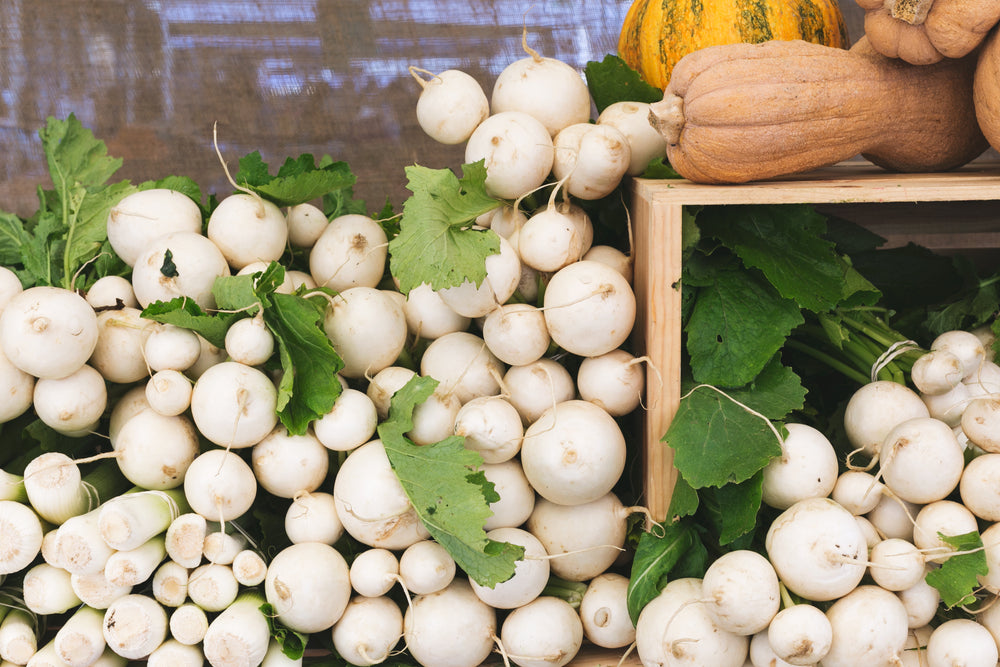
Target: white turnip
(531, 574)
(350, 252)
(451, 106)
(367, 329)
(546, 632)
(48, 332)
(517, 498)
(591, 159)
(312, 517)
(503, 273)
(219, 484)
(286, 465)
(463, 365)
(632, 120)
(247, 228)
(604, 611)
(368, 630)
(309, 586)
(490, 426)
(120, 341)
(306, 223)
(875, 409)
(869, 629)
(450, 628)
(546, 88)
(517, 151)
(589, 308)
(72, 405)
(181, 264)
(800, 634)
(742, 592)
(920, 460)
(142, 217)
(534, 388)
(234, 405)
(426, 567)
(807, 468)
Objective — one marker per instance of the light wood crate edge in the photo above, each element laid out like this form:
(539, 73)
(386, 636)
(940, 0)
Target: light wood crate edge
(657, 209)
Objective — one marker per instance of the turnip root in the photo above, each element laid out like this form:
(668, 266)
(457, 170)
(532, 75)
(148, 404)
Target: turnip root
(309, 586)
(920, 460)
(374, 572)
(534, 388)
(249, 341)
(961, 641)
(551, 239)
(71, 405)
(434, 418)
(800, 634)
(979, 487)
(17, 387)
(490, 426)
(428, 316)
(875, 409)
(963, 344)
(616, 381)
(463, 365)
(385, 384)
(531, 574)
(155, 450)
(517, 498)
(503, 272)
(286, 465)
(312, 517)
(896, 564)
(807, 468)
(450, 628)
(247, 228)
(451, 106)
(741, 591)
(120, 342)
(604, 611)
(589, 308)
(857, 491)
(591, 158)
(367, 328)
(169, 392)
(106, 292)
(219, 484)
(368, 630)
(943, 517)
(937, 372)
(48, 332)
(350, 423)
(546, 632)
(142, 217)
(517, 152)
(10, 285)
(170, 347)
(194, 264)
(574, 453)
(893, 517)
(234, 405)
(546, 88)
(134, 625)
(869, 629)
(675, 629)
(426, 567)
(371, 502)
(921, 601)
(306, 223)
(351, 251)
(980, 422)
(632, 120)
(580, 555)
(817, 549)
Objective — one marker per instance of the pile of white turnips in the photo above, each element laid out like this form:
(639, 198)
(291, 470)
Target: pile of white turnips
(140, 553)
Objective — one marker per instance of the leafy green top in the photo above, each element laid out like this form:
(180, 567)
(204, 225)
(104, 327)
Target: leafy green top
(437, 243)
(447, 488)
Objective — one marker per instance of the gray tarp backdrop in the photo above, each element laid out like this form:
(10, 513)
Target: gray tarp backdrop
(282, 77)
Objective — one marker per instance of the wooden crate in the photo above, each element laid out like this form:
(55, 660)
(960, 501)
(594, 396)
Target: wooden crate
(954, 212)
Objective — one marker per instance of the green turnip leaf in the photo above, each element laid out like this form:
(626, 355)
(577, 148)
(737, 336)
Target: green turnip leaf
(957, 578)
(436, 243)
(447, 488)
(660, 549)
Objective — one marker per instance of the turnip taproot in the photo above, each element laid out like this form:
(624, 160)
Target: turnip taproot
(181, 264)
(451, 105)
(234, 405)
(465, 640)
(48, 332)
(350, 252)
(247, 228)
(368, 630)
(142, 217)
(517, 151)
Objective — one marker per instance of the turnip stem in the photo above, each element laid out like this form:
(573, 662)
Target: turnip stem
(80, 641)
(170, 584)
(564, 589)
(240, 634)
(188, 623)
(134, 625)
(134, 566)
(129, 521)
(18, 636)
(12, 487)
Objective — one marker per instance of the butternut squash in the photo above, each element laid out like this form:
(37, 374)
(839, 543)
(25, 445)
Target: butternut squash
(986, 89)
(923, 32)
(743, 112)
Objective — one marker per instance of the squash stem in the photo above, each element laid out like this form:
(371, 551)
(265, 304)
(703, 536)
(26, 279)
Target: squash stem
(911, 11)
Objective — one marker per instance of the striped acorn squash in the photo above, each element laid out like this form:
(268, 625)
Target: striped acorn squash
(658, 33)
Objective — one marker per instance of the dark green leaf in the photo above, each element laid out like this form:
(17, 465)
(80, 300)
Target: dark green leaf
(958, 577)
(447, 488)
(309, 386)
(717, 441)
(298, 180)
(659, 550)
(184, 312)
(612, 80)
(733, 508)
(737, 324)
(775, 393)
(436, 243)
(168, 268)
(292, 643)
(74, 155)
(13, 238)
(683, 500)
(786, 244)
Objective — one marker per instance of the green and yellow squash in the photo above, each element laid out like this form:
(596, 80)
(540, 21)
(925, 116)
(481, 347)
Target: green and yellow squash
(658, 33)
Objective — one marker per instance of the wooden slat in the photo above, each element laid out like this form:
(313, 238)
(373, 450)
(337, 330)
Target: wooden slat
(955, 211)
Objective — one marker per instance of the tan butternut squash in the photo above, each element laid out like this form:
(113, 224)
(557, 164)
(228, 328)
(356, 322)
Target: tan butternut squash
(986, 89)
(743, 112)
(923, 32)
